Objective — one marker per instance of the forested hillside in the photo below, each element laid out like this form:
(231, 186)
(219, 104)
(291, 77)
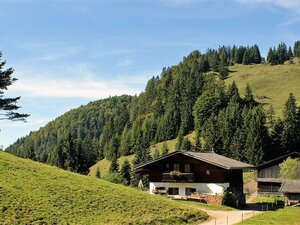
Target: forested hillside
(189, 96)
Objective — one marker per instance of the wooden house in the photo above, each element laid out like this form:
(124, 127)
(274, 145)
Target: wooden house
(291, 191)
(268, 180)
(182, 173)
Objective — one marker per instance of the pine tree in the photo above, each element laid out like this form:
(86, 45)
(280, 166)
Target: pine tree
(98, 175)
(290, 54)
(186, 144)
(197, 142)
(271, 57)
(165, 149)
(8, 105)
(246, 57)
(179, 141)
(31, 153)
(281, 53)
(114, 165)
(156, 153)
(249, 98)
(291, 132)
(297, 49)
(125, 172)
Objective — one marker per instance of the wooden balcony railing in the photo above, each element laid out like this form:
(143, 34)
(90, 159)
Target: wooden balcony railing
(184, 177)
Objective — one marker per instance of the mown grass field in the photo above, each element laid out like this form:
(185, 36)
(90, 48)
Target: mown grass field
(34, 193)
(270, 84)
(285, 216)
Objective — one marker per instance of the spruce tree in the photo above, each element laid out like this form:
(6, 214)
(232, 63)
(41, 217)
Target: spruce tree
(186, 144)
(197, 142)
(8, 106)
(270, 56)
(114, 165)
(291, 121)
(179, 141)
(125, 172)
(249, 98)
(297, 49)
(246, 57)
(98, 175)
(156, 153)
(165, 149)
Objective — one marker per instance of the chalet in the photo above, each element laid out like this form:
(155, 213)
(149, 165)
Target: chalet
(268, 179)
(291, 191)
(182, 173)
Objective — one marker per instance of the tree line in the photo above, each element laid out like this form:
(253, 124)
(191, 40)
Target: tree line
(185, 97)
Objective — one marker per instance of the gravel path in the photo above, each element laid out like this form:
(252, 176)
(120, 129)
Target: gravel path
(228, 217)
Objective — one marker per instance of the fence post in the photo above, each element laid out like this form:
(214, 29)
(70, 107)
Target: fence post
(227, 220)
(242, 217)
(215, 221)
(267, 206)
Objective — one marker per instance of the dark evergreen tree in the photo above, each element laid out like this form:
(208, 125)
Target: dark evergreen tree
(272, 57)
(291, 122)
(290, 54)
(246, 57)
(186, 144)
(8, 106)
(197, 142)
(31, 153)
(179, 141)
(165, 149)
(297, 49)
(249, 98)
(98, 175)
(281, 53)
(125, 172)
(156, 153)
(114, 165)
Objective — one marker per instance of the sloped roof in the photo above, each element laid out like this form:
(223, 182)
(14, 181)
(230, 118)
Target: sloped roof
(208, 157)
(290, 186)
(278, 160)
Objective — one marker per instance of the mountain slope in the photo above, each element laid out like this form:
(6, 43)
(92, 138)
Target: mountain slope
(270, 84)
(34, 193)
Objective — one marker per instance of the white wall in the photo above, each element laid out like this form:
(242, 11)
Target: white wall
(206, 188)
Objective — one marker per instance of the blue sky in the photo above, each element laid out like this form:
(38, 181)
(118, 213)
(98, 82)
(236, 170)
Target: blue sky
(67, 53)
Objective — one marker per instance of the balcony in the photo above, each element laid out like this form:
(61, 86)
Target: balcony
(179, 177)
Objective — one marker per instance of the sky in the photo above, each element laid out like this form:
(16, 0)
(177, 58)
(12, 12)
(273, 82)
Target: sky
(66, 53)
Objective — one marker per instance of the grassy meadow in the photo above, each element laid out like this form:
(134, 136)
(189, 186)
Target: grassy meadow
(287, 215)
(270, 84)
(34, 193)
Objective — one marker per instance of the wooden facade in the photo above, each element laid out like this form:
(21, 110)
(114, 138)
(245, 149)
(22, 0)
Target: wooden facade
(268, 178)
(196, 168)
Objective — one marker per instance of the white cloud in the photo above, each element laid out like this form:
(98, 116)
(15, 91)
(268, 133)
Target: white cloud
(86, 87)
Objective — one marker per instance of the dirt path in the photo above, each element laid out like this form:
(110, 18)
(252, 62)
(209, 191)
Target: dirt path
(228, 217)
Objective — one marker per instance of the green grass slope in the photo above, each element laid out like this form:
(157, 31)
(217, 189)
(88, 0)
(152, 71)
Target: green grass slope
(270, 84)
(34, 193)
(287, 215)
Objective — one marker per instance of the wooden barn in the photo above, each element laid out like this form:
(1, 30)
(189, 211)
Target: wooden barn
(183, 173)
(291, 191)
(268, 180)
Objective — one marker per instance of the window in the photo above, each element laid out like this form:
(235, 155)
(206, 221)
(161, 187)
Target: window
(189, 191)
(173, 191)
(167, 167)
(187, 168)
(176, 167)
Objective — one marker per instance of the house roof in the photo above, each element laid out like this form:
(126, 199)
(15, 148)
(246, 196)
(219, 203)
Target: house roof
(277, 160)
(208, 157)
(290, 186)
